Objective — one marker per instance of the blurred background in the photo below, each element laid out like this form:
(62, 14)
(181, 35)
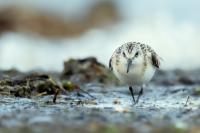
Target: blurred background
(42, 34)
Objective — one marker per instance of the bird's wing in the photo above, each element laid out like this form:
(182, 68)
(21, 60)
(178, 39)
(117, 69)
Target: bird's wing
(110, 64)
(155, 60)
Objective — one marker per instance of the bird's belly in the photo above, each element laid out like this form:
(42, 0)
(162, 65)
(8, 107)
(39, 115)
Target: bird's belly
(137, 75)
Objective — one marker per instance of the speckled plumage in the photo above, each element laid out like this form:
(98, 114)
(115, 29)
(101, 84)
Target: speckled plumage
(134, 63)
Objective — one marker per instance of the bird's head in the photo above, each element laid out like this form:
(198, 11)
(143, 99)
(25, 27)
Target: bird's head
(131, 56)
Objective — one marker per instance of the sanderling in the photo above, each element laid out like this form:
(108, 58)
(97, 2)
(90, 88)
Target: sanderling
(134, 64)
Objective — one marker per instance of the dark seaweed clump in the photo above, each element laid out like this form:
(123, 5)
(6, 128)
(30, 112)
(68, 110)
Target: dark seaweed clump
(31, 85)
(88, 70)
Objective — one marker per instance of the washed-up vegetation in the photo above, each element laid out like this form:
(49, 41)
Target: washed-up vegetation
(75, 74)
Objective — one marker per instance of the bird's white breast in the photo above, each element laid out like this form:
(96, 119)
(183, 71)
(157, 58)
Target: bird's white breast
(138, 74)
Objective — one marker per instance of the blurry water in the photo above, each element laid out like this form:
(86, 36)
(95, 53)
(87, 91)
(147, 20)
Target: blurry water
(171, 27)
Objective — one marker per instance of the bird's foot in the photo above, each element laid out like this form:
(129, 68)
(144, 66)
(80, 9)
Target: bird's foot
(140, 93)
(134, 100)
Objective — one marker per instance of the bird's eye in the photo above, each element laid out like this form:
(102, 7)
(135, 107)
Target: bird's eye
(124, 54)
(136, 54)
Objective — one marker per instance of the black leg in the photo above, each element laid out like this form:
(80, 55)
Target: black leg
(131, 90)
(140, 93)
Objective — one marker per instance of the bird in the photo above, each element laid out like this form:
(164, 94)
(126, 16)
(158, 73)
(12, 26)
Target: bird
(134, 64)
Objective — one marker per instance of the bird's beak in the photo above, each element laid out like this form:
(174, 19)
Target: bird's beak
(129, 63)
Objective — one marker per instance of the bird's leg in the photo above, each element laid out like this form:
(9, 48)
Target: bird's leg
(131, 90)
(140, 93)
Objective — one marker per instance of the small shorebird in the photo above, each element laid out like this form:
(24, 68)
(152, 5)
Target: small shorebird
(134, 64)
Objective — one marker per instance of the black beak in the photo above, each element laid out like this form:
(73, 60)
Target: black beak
(129, 63)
